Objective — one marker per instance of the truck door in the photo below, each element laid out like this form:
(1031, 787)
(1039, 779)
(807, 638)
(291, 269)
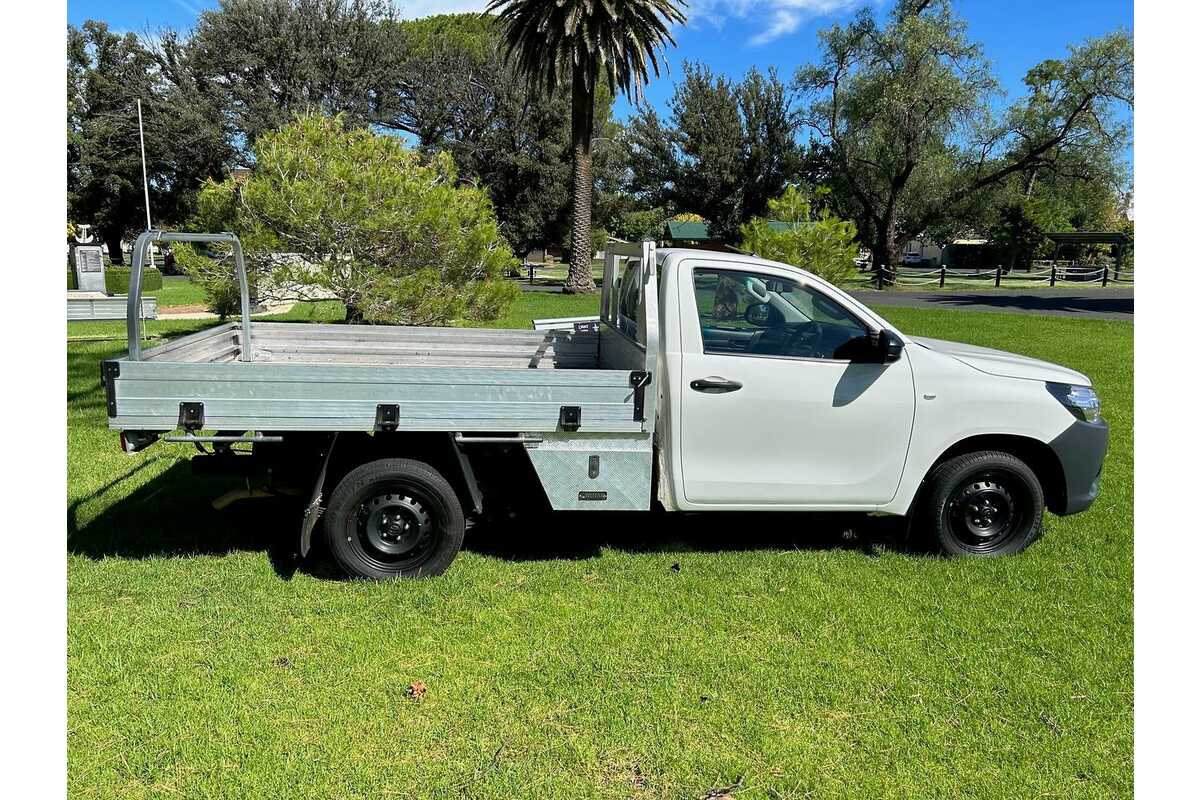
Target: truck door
(774, 411)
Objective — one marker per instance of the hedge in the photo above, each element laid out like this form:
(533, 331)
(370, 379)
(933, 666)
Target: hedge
(71, 279)
(116, 280)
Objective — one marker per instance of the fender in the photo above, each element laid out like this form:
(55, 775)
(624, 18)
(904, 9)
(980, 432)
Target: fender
(312, 512)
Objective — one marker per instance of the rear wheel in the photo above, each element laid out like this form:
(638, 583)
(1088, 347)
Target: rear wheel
(987, 503)
(394, 518)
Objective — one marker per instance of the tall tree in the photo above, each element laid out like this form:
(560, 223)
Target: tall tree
(273, 59)
(455, 90)
(186, 139)
(725, 151)
(573, 41)
(901, 112)
(1072, 195)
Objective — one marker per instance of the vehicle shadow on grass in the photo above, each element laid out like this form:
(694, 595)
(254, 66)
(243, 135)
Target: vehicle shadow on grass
(582, 535)
(171, 515)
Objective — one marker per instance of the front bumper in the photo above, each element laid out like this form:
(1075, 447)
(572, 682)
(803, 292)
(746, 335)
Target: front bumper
(1080, 450)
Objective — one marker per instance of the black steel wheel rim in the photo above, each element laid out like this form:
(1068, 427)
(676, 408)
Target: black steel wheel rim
(987, 510)
(397, 526)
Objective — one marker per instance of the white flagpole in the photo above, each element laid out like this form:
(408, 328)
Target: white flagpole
(145, 181)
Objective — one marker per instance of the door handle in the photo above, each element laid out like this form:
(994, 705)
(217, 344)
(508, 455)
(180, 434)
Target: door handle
(715, 385)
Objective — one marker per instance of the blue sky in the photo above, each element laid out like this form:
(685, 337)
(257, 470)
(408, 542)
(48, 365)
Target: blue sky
(733, 35)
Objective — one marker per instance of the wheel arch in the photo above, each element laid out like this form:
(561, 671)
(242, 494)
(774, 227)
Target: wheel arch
(1040, 457)
(438, 450)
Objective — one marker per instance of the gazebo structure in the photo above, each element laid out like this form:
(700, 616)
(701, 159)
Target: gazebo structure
(1120, 242)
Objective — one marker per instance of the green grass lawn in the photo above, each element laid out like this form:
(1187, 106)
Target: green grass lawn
(573, 660)
(179, 290)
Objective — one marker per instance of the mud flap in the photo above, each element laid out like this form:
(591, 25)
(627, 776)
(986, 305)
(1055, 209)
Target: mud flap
(313, 512)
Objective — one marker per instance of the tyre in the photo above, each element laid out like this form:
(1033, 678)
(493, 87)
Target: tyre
(987, 503)
(394, 518)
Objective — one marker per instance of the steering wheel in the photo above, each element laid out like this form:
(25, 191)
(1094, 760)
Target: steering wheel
(769, 341)
(804, 339)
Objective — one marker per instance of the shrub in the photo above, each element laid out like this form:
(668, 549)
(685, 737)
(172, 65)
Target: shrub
(216, 273)
(116, 280)
(599, 239)
(634, 226)
(71, 279)
(389, 232)
(820, 243)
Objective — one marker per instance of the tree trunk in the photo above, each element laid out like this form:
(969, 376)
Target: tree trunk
(579, 276)
(113, 242)
(886, 251)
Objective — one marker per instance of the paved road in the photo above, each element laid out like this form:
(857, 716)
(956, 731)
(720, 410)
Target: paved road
(1111, 303)
(543, 288)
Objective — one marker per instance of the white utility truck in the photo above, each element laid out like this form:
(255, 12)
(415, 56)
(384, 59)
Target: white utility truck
(709, 382)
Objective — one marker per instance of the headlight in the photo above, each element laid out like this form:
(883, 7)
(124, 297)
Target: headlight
(1082, 401)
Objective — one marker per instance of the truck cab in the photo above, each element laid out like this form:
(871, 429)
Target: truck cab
(781, 392)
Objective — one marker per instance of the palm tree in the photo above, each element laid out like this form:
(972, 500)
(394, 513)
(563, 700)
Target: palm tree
(556, 41)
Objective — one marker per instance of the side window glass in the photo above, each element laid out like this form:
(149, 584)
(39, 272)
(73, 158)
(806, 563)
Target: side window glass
(628, 297)
(744, 313)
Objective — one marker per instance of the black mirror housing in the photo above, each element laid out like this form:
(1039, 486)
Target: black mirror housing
(883, 347)
(890, 346)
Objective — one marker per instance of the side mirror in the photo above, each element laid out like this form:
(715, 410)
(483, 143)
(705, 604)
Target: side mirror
(890, 346)
(758, 314)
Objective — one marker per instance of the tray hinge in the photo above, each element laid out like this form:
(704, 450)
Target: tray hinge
(639, 380)
(109, 372)
(387, 417)
(191, 416)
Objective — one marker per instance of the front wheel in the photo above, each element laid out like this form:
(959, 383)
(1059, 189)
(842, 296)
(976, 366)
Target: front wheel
(987, 503)
(394, 518)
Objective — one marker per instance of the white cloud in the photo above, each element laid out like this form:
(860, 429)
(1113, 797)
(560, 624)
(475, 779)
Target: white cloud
(783, 22)
(191, 8)
(772, 18)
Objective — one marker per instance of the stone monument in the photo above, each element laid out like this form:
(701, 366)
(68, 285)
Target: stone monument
(89, 262)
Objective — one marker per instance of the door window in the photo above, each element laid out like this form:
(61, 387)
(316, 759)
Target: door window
(629, 297)
(745, 313)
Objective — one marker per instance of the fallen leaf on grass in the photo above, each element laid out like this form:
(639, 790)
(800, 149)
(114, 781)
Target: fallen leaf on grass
(416, 690)
(725, 793)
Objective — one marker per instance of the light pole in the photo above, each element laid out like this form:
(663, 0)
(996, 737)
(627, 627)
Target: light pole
(145, 181)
